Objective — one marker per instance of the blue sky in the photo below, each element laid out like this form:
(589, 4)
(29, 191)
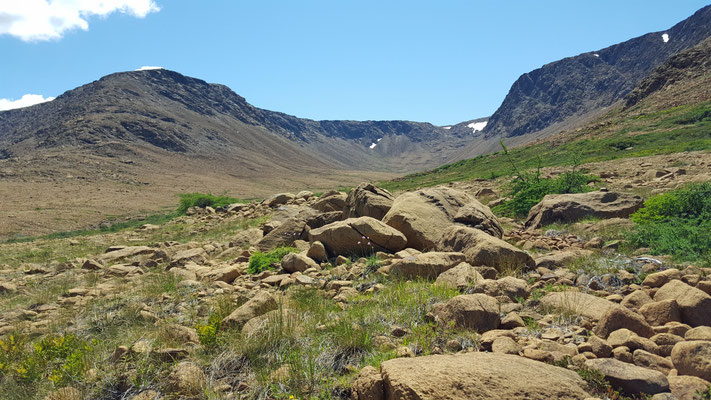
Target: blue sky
(438, 61)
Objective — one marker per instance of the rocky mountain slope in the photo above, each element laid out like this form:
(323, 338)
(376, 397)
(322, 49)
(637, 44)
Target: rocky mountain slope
(566, 92)
(167, 111)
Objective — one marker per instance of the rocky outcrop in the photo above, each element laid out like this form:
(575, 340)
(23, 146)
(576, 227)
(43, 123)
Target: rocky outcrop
(422, 215)
(567, 208)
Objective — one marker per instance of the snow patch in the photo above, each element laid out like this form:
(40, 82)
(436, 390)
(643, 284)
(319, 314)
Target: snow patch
(26, 101)
(379, 139)
(447, 127)
(596, 55)
(665, 37)
(148, 68)
(372, 145)
(477, 126)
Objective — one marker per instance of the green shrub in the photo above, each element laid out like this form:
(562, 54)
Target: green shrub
(208, 333)
(60, 359)
(203, 200)
(259, 261)
(528, 188)
(677, 223)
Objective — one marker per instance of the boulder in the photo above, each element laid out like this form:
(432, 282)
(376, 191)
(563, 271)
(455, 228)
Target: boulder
(658, 313)
(693, 358)
(126, 252)
(279, 199)
(649, 360)
(261, 303)
(470, 376)
(330, 202)
(460, 277)
(423, 215)
(294, 262)
(425, 265)
(368, 200)
(618, 317)
(483, 249)
(699, 333)
(636, 299)
(186, 379)
(369, 385)
(513, 288)
(196, 255)
(479, 216)
(694, 304)
(630, 379)
(284, 235)
(659, 279)
(478, 312)
(685, 387)
(560, 259)
(573, 207)
(361, 236)
(626, 338)
(586, 305)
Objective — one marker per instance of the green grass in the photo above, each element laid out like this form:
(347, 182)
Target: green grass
(260, 261)
(680, 129)
(677, 223)
(202, 200)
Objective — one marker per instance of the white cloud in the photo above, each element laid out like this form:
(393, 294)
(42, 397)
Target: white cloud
(33, 20)
(26, 101)
(148, 68)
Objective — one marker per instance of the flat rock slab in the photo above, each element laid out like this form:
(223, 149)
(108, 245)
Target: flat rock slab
(472, 376)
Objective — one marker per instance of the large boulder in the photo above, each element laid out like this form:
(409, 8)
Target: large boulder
(361, 236)
(423, 215)
(483, 249)
(586, 305)
(479, 216)
(333, 201)
(478, 312)
(368, 200)
(573, 207)
(628, 378)
(685, 387)
(694, 304)
(693, 358)
(261, 303)
(425, 265)
(469, 376)
(278, 199)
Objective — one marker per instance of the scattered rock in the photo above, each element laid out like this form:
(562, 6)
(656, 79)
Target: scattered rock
(296, 262)
(460, 277)
(186, 379)
(261, 303)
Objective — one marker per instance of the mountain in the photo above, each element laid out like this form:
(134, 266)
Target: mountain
(130, 141)
(565, 92)
(168, 111)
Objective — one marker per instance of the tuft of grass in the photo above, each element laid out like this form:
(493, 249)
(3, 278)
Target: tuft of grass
(260, 261)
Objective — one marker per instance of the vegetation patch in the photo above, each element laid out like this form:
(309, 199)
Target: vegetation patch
(202, 200)
(260, 261)
(676, 223)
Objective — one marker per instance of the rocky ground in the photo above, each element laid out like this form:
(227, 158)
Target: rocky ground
(426, 294)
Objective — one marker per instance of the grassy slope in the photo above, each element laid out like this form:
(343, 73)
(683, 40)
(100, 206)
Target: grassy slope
(620, 134)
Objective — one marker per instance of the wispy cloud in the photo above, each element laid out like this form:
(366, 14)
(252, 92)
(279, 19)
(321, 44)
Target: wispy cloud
(26, 101)
(37, 20)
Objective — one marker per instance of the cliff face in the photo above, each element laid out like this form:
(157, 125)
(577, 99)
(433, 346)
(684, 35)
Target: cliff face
(588, 82)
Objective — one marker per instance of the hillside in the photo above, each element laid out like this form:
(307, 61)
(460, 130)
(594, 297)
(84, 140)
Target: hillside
(668, 112)
(566, 93)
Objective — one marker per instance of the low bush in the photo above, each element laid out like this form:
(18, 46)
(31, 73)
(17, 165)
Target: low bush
(677, 223)
(528, 188)
(260, 261)
(202, 200)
